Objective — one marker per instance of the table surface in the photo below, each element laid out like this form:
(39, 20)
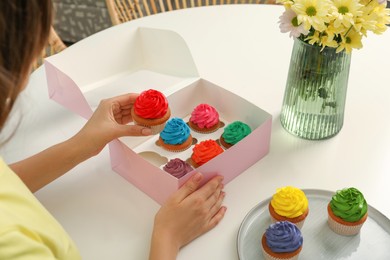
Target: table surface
(239, 48)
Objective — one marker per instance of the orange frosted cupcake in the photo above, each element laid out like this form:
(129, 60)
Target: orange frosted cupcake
(289, 204)
(204, 152)
(347, 212)
(282, 241)
(176, 136)
(151, 110)
(204, 119)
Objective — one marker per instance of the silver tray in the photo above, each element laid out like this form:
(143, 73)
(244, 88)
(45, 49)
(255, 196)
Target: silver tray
(319, 242)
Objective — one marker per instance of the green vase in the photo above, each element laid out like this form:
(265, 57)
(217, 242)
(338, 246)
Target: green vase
(316, 88)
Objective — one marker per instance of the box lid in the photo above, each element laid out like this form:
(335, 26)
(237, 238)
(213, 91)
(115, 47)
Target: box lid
(101, 60)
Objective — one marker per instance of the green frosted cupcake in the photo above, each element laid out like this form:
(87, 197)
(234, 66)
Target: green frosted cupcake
(233, 133)
(347, 212)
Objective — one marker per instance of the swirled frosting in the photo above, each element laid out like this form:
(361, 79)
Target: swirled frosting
(289, 202)
(176, 131)
(235, 132)
(349, 204)
(151, 104)
(205, 151)
(283, 237)
(204, 116)
(177, 167)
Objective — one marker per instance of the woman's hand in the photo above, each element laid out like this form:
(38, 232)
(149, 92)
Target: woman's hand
(109, 121)
(187, 214)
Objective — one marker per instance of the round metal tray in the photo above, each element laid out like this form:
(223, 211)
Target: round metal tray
(319, 242)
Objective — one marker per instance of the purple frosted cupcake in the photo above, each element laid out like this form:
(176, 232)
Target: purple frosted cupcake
(177, 168)
(282, 240)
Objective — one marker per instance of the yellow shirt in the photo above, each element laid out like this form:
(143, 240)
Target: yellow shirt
(27, 230)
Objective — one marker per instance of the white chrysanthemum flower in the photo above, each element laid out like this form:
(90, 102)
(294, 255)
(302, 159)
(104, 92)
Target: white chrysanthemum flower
(289, 23)
(346, 12)
(313, 13)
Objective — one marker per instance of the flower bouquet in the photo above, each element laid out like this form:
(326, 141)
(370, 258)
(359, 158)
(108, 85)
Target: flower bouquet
(324, 32)
(339, 24)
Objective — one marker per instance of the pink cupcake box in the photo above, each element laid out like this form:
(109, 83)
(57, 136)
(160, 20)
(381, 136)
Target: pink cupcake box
(134, 63)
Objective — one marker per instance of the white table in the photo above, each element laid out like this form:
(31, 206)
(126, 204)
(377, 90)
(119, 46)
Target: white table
(241, 49)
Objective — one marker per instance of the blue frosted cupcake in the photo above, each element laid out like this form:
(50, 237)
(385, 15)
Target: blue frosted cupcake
(176, 136)
(282, 241)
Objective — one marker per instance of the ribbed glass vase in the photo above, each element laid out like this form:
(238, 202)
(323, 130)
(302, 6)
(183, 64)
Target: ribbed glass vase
(316, 88)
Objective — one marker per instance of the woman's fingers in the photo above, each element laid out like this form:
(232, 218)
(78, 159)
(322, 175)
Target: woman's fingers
(126, 99)
(217, 217)
(134, 130)
(215, 202)
(189, 187)
(210, 188)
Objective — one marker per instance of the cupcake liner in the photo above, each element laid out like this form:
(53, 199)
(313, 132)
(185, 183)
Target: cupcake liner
(213, 129)
(343, 230)
(299, 221)
(156, 125)
(154, 128)
(224, 144)
(192, 163)
(270, 257)
(175, 151)
(204, 132)
(175, 148)
(299, 224)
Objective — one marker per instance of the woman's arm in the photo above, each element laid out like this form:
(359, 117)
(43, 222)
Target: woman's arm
(108, 122)
(46, 166)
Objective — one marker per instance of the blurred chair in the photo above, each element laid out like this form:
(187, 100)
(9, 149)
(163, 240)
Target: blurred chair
(55, 45)
(125, 10)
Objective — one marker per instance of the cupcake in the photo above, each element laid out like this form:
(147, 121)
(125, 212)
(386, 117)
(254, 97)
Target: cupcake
(204, 119)
(151, 110)
(347, 212)
(176, 136)
(289, 204)
(177, 168)
(204, 152)
(233, 133)
(282, 240)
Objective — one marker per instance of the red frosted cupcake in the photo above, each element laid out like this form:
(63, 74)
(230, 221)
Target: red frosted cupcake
(204, 119)
(151, 110)
(204, 152)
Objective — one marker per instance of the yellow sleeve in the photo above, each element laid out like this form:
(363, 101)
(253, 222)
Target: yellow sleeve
(27, 230)
(21, 244)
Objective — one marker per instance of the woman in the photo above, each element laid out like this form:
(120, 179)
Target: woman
(27, 230)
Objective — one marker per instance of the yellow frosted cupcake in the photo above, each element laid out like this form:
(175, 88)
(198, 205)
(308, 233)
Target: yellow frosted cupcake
(289, 204)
